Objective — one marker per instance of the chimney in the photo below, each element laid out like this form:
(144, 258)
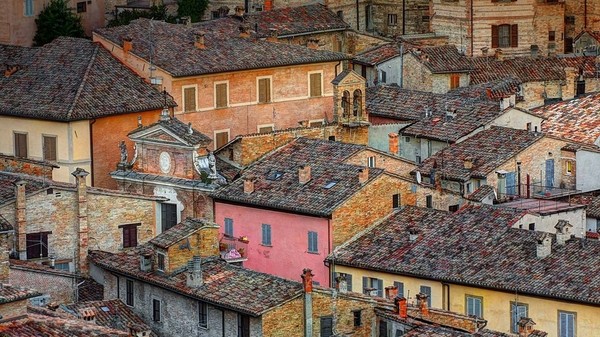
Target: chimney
(525, 326)
(81, 265)
(303, 174)
(534, 50)
(568, 90)
(393, 143)
(138, 330)
(422, 303)
(146, 261)
(468, 163)
(413, 234)
(499, 55)
(199, 40)
(248, 185)
(341, 284)
(402, 307)
(127, 44)
(268, 5)
(194, 272)
(88, 315)
(307, 281)
(563, 232)
(391, 292)
(484, 51)
(4, 258)
(272, 35)
(544, 245)
(363, 175)
(312, 43)
(239, 11)
(21, 219)
(244, 31)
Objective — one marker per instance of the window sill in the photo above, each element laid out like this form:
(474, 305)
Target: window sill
(314, 253)
(268, 246)
(221, 107)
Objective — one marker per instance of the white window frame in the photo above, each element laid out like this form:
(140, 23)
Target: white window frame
(574, 322)
(221, 131)
(478, 298)
(312, 121)
(259, 126)
(308, 82)
(215, 94)
(372, 161)
(183, 87)
(270, 77)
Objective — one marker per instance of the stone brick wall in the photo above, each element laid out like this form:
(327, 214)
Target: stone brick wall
(415, 75)
(288, 320)
(59, 285)
(204, 243)
(384, 161)
(549, 17)
(27, 166)
(13, 309)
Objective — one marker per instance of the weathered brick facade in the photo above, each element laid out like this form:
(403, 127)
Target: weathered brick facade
(61, 286)
(416, 76)
(26, 166)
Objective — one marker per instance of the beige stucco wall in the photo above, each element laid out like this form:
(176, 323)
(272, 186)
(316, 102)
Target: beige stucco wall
(73, 142)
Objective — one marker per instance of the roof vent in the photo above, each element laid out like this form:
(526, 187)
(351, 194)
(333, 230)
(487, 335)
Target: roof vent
(146, 261)
(544, 245)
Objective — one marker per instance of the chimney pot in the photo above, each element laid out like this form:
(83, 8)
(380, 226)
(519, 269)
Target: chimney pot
(422, 303)
(244, 31)
(563, 232)
(468, 163)
(239, 11)
(304, 175)
(199, 40)
(393, 143)
(268, 5)
(248, 185)
(127, 44)
(363, 175)
(312, 43)
(194, 272)
(402, 307)
(499, 55)
(341, 284)
(544, 245)
(525, 326)
(307, 281)
(391, 292)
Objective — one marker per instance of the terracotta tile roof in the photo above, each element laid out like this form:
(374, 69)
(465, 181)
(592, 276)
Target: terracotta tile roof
(481, 193)
(494, 90)
(487, 149)
(11, 294)
(179, 232)
(175, 52)
(112, 314)
(40, 325)
(476, 246)
(542, 207)
(227, 169)
(442, 59)
(90, 290)
(276, 178)
(577, 120)
(594, 34)
(157, 179)
(289, 21)
(180, 129)
(593, 210)
(528, 69)
(5, 226)
(73, 79)
(378, 54)
(225, 285)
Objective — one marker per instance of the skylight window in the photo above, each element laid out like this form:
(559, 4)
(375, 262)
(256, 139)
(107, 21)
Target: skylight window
(331, 184)
(274, 175)
(105, 309)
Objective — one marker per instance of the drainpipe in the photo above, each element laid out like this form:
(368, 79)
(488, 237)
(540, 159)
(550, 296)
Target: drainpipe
(519, 178)
(403, 17)
(471, 28)
(92, 151)
(357, 17)
(584, 14)
(401, 64)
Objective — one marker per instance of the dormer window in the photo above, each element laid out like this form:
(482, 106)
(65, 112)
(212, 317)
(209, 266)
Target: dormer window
(160, 261)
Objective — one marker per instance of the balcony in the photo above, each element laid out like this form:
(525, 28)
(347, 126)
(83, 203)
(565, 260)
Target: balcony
(233, 250)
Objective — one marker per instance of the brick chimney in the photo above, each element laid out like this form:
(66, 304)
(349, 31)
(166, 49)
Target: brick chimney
(21, 219)
(268, 5)
(568, 90)
(248, 185)
(544, 245)
(363, 175)
(563, 232)
(244, 31)
(239, 11)
(81, 265)
(312, 43)
(4, 256)
(402, 306)
(272, 35)
(499, 54)
(393, 145)
(391, 292)
(146, 261)
(88, 315)
(525, 326)
(307, 281)
(138, 330)
(422, 303)
(468, 163)
(304, 174)
(127, 44)
(193, 276)
(199, 40)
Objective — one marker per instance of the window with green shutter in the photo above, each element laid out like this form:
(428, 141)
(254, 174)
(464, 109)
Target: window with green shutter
(427, 291)
(400, 287)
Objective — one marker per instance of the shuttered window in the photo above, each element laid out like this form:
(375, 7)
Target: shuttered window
(265, 129)
(566, 324)
(229, 227)
(266, 234)
(221, 139)
(28, 8)
(49, 148)
(264, 90)
(326, 326)
(129, 292)
(474, 306)
(221, 95)
(348, 278)
(374, 283)
(21, 145)
(168, 215)
(129, 235)
(189, 99)
(313, 242)
(517, 310)
(203, 314)
(160, 261)
(315, 85)
(156, 310)
(505, 36)
(427, 291)
(454, 81)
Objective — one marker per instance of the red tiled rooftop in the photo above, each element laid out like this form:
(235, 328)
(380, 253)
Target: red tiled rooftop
(541, 206)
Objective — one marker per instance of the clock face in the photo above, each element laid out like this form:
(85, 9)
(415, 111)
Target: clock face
(165, 162)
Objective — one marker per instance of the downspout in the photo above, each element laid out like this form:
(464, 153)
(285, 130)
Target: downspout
(401, 65)
(403, 17)
(584, 14)
(92, 151)
(357, 17)
(471, 14)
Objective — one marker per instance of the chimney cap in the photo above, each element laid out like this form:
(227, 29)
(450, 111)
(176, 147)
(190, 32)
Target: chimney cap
(79, 172)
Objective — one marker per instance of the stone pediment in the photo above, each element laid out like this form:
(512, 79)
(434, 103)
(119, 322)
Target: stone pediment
(348, 78)
(161, 136)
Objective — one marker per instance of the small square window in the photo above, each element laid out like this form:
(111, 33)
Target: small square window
(313, 241)
(532, 226)
(81, 7)
(392, 19)
(552, 35)
(160, 257)
(396, 201)
(429, 201)
(371, 161)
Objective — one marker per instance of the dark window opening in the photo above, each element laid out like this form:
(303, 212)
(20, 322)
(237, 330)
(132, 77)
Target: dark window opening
(37, 245)
(168, 216)
(129, 292)
(156, 310)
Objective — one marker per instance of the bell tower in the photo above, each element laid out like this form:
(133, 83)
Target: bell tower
(349, 99)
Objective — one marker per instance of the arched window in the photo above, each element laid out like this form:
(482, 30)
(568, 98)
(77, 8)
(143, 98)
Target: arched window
(357, 103)
(346, 104)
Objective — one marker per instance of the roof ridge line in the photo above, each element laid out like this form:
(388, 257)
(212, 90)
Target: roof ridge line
(83, 81)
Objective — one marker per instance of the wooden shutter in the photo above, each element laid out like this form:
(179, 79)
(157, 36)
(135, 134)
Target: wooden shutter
(326, 326)
(454, 81)
(379, 288)
(349, 282)
(50, 148)
(156, 310)
(400, 287)
(126, 237)
(365, 284)
(221, 95)
(514, 36)
(495, 37)
(315, 85)
(21, 145)
(189, 99)
(264, 90)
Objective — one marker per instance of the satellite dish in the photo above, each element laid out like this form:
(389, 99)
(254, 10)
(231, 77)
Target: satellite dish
(418, 177)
